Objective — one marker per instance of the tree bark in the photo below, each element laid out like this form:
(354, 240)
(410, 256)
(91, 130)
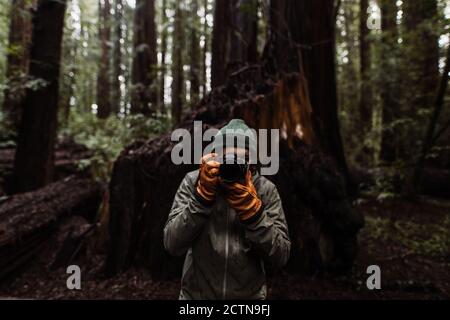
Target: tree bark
(205, 49)
(33, 164)
(103, 78)
(17, 60)
(244, 32)
(178, 85)
(234, 38)
(220, 42)
(304, 41)
(143, 78)
(194, 72)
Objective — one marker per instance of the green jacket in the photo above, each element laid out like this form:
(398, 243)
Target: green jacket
(224, 257)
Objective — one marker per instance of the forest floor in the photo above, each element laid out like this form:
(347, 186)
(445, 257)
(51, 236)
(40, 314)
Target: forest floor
(410, 242)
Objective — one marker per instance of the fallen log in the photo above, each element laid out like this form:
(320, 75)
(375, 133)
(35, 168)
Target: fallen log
(28, 220)
(71, 241)
(322, 224)
(67, 155)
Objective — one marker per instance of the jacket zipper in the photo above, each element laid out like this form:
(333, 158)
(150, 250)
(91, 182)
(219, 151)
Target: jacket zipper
(224, 285)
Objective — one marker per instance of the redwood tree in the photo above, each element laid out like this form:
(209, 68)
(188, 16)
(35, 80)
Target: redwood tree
(303, 40)
(234, 38)
(244, 31)
(220, 42)
(194, 72)
(178, 86)
(33, 163)
(143, 78)
(205, 47)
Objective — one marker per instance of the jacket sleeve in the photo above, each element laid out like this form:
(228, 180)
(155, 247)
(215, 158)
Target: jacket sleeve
(186, 218)
(269, 232)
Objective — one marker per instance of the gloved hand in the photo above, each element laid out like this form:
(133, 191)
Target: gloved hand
(208, 178)
(243, 198)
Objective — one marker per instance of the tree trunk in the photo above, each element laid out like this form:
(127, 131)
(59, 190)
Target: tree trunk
(304, 41)
(194, 72)
(143, 78)
(178, 86)
(205, 49)
(17, 60)
(244, 31)
(220, 42)
(163, 68)
(33, 164)
(390, 88)
(234, 38)
(365, 100)
(117, 73)
(103, 79)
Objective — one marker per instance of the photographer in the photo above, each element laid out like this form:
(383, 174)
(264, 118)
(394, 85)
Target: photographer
(229, 221)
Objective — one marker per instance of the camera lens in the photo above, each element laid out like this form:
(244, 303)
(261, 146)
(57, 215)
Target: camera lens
(233, 168)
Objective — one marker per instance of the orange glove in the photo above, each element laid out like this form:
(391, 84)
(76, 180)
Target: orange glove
(208, 178)
(243, 198)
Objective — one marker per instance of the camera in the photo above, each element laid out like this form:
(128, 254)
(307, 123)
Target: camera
(233, 168)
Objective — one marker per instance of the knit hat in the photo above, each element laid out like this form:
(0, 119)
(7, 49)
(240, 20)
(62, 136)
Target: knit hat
(236, 134)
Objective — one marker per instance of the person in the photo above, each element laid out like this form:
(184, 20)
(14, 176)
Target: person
(228, 230)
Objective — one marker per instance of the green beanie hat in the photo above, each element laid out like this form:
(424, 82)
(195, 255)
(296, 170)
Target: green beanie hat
(241, 133)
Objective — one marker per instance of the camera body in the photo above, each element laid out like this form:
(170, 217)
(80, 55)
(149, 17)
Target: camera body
(233, 168)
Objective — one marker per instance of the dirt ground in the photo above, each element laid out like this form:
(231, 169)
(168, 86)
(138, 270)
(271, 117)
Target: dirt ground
(410, 242)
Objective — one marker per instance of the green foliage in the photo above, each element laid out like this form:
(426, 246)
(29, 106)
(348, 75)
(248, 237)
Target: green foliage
(429, 239)
(402, 79)
(108, 137)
